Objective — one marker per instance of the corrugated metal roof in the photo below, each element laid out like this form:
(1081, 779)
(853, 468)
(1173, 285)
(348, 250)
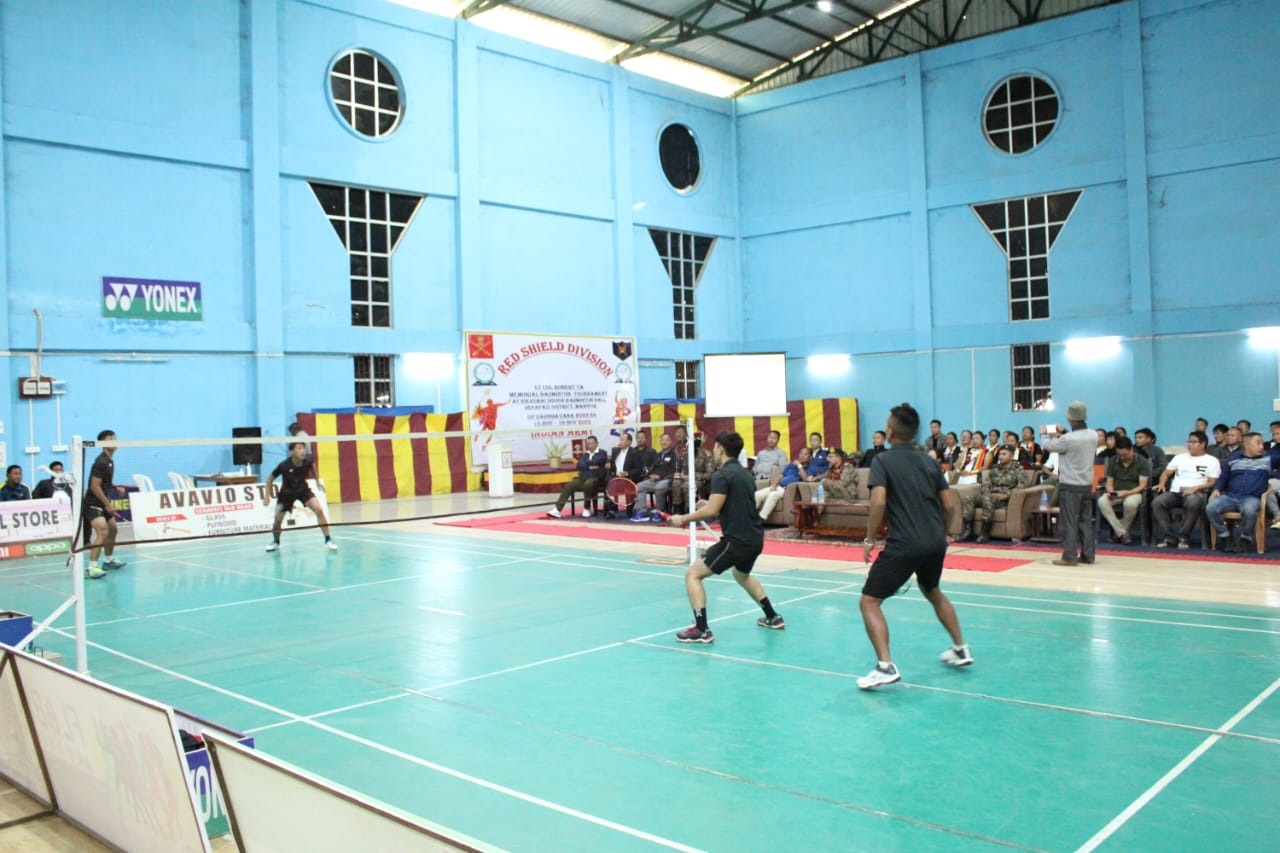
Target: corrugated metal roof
(772, 43)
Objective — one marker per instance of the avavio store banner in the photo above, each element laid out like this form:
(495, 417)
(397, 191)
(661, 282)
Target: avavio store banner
(216, 511)
(560, 387)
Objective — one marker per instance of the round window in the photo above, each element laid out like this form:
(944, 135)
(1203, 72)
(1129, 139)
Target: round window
(678, 152)
(366, 93)
(1021, 112)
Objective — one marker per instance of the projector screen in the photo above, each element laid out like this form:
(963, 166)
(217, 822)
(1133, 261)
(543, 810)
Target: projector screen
(745, 384)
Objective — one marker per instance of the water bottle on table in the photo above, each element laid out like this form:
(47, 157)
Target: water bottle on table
(822, 494)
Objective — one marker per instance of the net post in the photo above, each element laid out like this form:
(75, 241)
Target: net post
(77, 556)
(692, 486)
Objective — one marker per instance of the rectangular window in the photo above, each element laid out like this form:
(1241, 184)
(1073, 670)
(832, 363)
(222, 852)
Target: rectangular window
(687, 380)
(1032, 388)
(374, 385)
(684, 256)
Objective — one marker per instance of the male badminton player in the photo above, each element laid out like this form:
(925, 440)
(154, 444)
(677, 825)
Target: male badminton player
(910, 485)
(294, 489)
(733, 499)
(99, 515)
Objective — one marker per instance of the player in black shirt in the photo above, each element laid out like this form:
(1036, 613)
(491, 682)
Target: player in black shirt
(98, 513)
(733, 498)
(293, 488)
(910, 485)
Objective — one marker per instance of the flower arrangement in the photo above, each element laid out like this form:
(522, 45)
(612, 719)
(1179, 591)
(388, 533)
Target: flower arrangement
(555, 452)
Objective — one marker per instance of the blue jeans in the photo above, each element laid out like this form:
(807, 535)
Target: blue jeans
(1248, 507)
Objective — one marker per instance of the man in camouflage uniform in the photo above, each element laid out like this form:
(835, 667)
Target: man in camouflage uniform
(841, 480)
(997, 485)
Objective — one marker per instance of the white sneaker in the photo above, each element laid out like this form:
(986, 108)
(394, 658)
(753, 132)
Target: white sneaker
(330, 545)
(274, 546)
(879, 677)
(95, 572)
(553, 513)
(957, 656)
(1275, 525)
(586, 513)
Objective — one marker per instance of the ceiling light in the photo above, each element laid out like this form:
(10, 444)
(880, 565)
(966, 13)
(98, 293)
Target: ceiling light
(824, 6)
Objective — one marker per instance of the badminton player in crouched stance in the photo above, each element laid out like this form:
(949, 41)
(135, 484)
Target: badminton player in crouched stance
(733, 499)
(910, 485)
(294, 488)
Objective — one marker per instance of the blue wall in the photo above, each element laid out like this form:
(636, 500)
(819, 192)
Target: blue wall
(841, 209)
(1168, 126)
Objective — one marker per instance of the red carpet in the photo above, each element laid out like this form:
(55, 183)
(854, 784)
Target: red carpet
(653, 534)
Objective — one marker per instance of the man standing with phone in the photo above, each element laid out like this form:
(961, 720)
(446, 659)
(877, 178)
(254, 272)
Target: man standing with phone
(1075, 451)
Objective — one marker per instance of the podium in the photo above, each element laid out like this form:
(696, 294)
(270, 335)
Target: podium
(501, 476)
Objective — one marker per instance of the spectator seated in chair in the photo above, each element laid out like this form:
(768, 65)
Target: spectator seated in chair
(593, 467)
(1239, 488)
(1127, 477)
(13, 488)
(656, 483)
(1185, 484)
(997, 487)
(57, 482)
(841, 481)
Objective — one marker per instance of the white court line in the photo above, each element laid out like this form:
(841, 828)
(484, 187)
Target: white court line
(1103, 616)
(1176, 771)
(205, 607)
(429, 690)
(413, 759)
(1110, 605)
(1008, 700)
(441, 610)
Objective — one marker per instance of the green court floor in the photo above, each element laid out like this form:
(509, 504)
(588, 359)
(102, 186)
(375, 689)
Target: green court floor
(533, 697)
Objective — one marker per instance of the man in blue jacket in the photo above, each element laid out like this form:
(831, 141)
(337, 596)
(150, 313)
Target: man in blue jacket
(1239, 489)
(592, 465)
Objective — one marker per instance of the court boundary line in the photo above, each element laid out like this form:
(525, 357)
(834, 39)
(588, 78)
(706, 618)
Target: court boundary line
(1174, 772)
(412, 759)
(1009, 700)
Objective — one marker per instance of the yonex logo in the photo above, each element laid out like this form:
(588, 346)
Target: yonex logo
(121, 296)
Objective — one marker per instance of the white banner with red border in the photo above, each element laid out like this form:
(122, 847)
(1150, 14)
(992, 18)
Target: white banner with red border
(216, 511)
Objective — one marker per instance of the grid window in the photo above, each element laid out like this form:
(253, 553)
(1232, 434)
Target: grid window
(374, 385)
(684, 256)
(687, 380)
(678, 154)
(370, 224)
(1032, 388)
(366, 93)
(1021, 112)
(1025, 229)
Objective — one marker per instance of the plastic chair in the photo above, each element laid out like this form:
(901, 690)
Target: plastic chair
(1234, 518)
(181, 482)
(143, 482)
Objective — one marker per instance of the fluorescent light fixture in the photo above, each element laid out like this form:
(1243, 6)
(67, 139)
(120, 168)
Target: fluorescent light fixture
(824, 6)
(428, 366)
(447, 8)
(681, 72)
(1093, 349)
(837, 364)
(1264, 337)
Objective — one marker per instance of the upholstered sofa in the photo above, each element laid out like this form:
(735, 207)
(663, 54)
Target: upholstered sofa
(1010, 522)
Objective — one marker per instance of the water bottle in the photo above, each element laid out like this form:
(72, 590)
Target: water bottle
(1044, 501)
(822, 494)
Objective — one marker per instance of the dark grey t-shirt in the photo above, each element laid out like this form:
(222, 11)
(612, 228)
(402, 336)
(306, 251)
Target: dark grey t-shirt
(912, 481)
(739, 519)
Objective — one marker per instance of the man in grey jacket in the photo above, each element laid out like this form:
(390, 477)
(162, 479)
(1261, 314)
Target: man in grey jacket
(1075, 451)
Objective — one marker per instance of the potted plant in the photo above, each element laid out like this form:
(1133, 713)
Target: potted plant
(555, 452)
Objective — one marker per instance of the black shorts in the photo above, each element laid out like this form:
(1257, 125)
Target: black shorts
(285, 501)
(89, 513)
(725, 555)
(895, 566)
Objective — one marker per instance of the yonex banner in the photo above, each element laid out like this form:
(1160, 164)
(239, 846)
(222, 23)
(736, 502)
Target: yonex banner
(215, 511)
(145, 299)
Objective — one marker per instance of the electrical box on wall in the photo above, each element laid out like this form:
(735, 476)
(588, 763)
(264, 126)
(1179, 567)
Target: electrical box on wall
(35, 387)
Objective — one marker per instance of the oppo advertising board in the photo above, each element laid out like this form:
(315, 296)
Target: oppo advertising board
(216, 511)
(31, 528)
(556, 386)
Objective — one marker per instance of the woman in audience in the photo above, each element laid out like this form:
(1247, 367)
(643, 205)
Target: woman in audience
(993, 442)
(1029, 454)
(951, 450)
